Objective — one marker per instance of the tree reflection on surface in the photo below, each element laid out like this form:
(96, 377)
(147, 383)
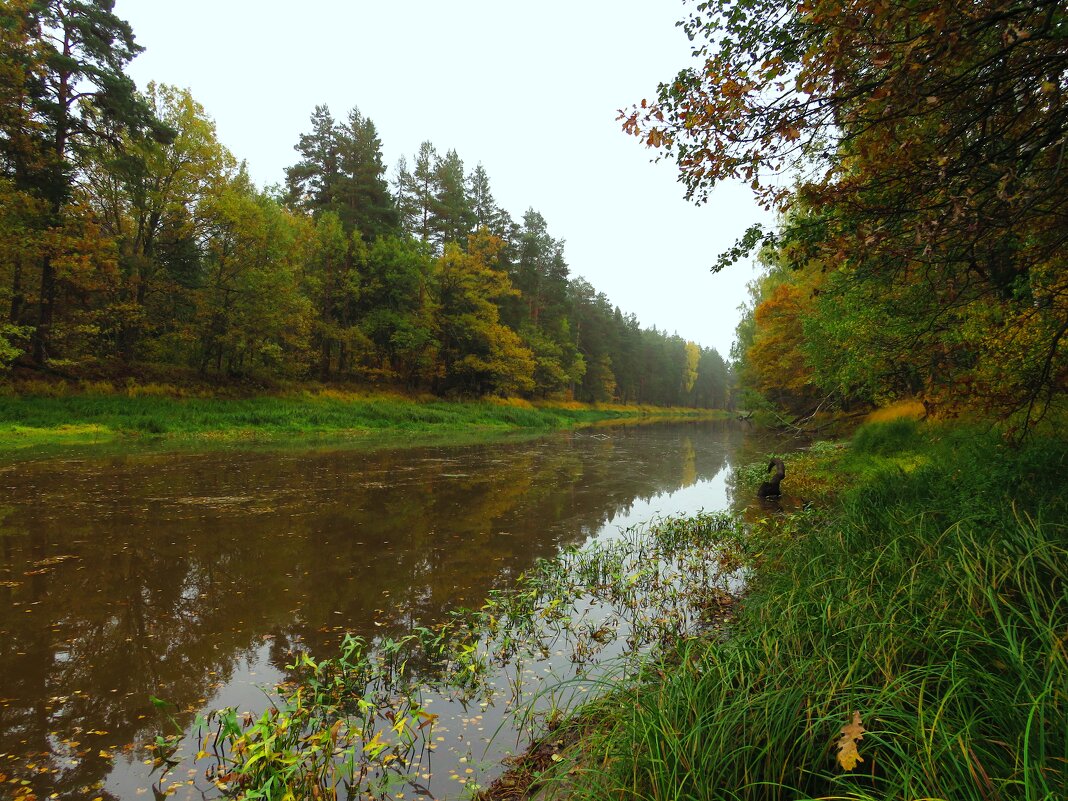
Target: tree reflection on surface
(168, 575)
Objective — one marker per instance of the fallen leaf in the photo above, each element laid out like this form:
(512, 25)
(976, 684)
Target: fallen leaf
(852, 733)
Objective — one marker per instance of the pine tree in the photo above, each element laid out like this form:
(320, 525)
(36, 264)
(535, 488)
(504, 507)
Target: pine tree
(362, 196)
(312, 182)
(453, 217)
(77, 97)
(416, 191)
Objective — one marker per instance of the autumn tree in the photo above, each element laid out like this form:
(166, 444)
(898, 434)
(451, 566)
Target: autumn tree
(78, 97)
(21, 151)
(148, 197)
(776, 363)
(479, 355)
(928, 143)
(251, 311)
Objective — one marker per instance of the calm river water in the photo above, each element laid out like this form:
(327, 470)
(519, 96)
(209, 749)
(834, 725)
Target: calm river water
(191, 576)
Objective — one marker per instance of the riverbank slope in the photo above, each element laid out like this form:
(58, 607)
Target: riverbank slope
(902, 637)
(72, 417)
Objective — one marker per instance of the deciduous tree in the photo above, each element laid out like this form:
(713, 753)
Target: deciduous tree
(928, 139)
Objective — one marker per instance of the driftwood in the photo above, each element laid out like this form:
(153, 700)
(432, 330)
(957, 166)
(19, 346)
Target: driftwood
(770, 488)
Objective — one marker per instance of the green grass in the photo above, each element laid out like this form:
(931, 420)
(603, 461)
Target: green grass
(98, 418)
(930, 596)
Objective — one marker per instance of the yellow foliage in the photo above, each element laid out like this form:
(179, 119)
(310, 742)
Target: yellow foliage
(895, 411)
(43, 389)
(567, 405)
(97, 387)
(775, 360)
(852, 733)
(153, 390)
(517, 403)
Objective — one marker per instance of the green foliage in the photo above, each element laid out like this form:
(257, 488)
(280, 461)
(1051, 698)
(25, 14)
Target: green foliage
(10, 335)
(164, 255)
(927, 224)
(251, 310)
(932, 599)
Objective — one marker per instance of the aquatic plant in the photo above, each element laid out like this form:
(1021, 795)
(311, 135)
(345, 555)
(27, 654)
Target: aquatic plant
(354, 724)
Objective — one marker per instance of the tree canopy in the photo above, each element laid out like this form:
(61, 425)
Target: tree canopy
(925, 141)
(132, 240)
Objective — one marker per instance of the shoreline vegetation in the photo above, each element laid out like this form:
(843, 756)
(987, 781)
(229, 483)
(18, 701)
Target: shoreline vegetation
(899, 634)
(56, 415)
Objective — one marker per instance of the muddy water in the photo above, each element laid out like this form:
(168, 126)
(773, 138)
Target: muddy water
(190, 577)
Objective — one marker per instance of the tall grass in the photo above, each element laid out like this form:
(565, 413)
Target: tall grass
(932, 598)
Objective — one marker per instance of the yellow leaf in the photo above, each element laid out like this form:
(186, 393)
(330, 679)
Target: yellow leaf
(852, 733)
(375, 746)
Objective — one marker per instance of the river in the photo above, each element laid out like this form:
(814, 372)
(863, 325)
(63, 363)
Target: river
(192, 576)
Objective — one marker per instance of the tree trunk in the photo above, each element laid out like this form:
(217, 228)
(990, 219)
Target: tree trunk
(17, 300)
(46, 311)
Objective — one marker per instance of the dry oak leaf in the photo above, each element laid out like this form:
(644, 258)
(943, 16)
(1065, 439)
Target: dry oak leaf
(852, 733)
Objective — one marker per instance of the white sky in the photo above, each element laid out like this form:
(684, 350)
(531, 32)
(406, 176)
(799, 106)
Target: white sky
(530, 90)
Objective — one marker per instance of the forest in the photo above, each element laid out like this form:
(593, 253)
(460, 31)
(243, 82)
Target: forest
(132, 240)
(915, 153)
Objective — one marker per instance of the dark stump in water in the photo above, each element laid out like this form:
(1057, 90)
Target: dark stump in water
(770, 488)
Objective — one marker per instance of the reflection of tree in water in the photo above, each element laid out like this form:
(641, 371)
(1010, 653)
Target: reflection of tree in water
(178, 567)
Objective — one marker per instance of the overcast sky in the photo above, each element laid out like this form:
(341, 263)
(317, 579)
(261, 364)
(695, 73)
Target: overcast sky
(529, 90)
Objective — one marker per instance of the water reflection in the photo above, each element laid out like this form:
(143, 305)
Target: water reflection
(189, 576)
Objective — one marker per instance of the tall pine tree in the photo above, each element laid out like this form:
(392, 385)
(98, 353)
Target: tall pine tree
(77, 96)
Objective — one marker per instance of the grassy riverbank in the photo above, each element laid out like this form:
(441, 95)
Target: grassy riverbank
(926, 591)
(80, 418)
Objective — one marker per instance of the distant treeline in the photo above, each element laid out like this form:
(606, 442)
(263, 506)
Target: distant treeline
(129, 235)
